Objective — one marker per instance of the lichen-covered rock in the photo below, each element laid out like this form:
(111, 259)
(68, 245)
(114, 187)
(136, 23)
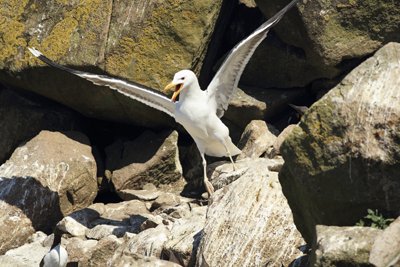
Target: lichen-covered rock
(143, 41)
(23, 116)
(150, 158)
(344, 157)
(342, 246)
(321, 37)
(385, 250)
(249, 222)
(50, 176)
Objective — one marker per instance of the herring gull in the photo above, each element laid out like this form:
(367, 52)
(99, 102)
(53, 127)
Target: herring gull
(198, 111)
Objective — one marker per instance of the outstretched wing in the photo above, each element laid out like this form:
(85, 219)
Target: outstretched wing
(226, 80)
(135, 91)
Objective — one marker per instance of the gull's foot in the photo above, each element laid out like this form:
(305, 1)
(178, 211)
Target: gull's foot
(234, 166)
(209, 187)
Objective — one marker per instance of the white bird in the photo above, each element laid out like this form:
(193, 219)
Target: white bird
(198, 111)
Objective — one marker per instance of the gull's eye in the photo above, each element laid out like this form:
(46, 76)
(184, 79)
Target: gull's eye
(182, 78)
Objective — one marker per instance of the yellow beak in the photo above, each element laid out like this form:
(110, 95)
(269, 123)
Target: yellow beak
(178, 88)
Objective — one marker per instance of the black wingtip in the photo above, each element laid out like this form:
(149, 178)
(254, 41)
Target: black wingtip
(49, 62)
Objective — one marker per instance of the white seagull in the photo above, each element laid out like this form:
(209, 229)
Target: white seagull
(198, 111)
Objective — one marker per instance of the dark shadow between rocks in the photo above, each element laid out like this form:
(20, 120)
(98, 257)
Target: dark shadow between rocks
(38, 203)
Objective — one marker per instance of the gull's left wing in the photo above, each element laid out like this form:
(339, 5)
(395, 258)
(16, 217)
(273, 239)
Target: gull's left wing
(226, 80)
(135, 91)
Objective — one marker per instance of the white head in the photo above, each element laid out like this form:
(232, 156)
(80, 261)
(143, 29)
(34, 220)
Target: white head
(182, 81)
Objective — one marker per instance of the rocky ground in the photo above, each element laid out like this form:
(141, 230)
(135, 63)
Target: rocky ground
(121, 184)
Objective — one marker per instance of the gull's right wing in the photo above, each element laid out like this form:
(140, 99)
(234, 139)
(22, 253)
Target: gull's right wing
(135, 91)
(226, 80)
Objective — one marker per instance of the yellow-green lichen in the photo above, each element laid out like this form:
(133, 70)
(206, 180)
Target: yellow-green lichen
(11, 31)
(170, 39)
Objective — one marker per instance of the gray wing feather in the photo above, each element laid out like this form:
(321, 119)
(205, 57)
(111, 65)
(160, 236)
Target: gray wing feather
(135, 91)
(226, 80)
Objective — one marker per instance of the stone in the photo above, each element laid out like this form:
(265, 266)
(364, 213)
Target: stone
(79, 250)
(343, 158)
(167, 200)
(146, 195)
(102, 230)
(255, 140)
(322, 39)
(221, 173)
(149, 242)
(142, 41)
(72, 227)
(151, 158)
(140, 260)
(48, 177)
(185, 237)
(260, 231)
(385, 250)
(23, 116)
(104, 251)
(276, 147)
(342, 246)
(29, 254)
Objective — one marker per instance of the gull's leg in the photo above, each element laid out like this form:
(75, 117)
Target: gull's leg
(209, 187)
(229, 155)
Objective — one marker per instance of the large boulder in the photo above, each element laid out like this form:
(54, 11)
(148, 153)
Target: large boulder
(343, 158)
(150, 158)
(29, 254)
(385, 250)
(321, 38)
(49, 177)
(143, 41)
(336, 246)
(23, 116)
(249, 222)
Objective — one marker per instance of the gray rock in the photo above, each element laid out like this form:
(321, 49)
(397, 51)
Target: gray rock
(320, 39)
(143, 42)
(255, 140)
(167, 200)
(139, 261)
(276, 147)
(48, 177)
(151, 158)
(250, 221)
(185, 237)
(221, 173)
(385, 250)
(149, 242)
(146, 195)
(102, 230)
(79, 250)
(22, 117)
(29, 254)
(104, 250)
(343, 158)
(72, 227)
(342, 246)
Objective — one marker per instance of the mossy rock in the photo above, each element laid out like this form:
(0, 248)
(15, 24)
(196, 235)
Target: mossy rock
(344, 157)
(141, 41)
(322, 37)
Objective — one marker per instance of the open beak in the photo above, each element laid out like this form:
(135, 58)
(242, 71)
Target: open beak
(177, 90)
